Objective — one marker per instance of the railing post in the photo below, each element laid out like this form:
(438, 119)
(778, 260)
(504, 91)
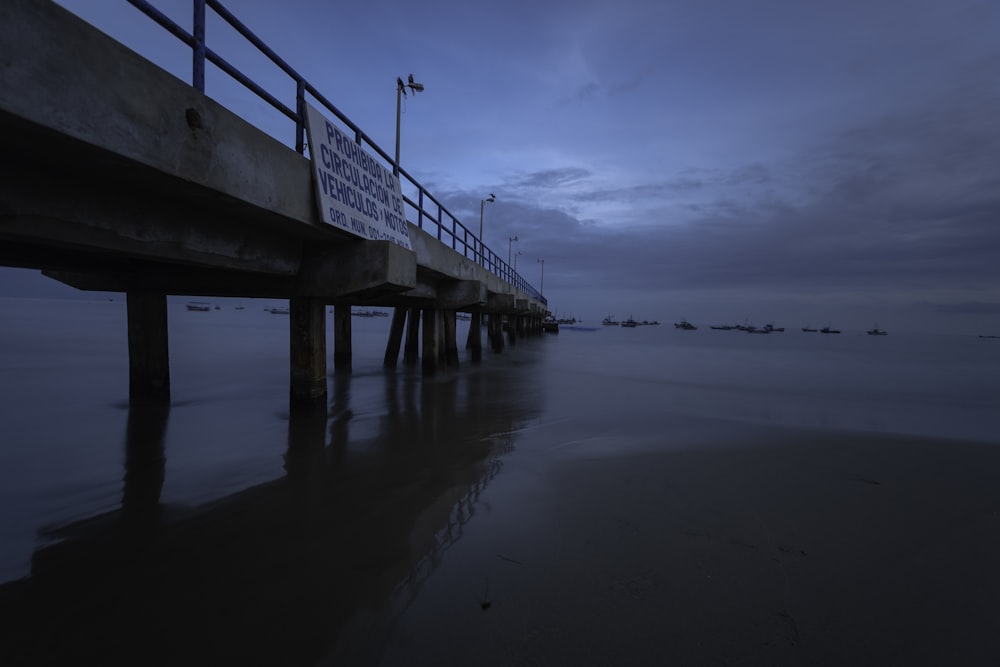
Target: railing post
(198, 53)
(300, 116)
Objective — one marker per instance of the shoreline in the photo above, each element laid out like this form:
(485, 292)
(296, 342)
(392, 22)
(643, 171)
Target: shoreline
(846, 549)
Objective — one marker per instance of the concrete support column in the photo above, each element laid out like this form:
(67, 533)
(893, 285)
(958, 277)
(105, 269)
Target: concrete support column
(342, 337)
(474, 343)
(496, 331)
(307, 339)
(512, 326)
(148, 353)
(450, 342)
(395, 337)
(411, 352)
(431, 346)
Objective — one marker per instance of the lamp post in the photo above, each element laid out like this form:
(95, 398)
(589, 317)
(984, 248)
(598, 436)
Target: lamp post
(515, 259)
(509, 242)
(541, 284)
(482, 204)
(400, 93)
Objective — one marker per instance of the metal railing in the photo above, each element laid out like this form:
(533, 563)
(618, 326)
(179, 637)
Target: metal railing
(426, 208)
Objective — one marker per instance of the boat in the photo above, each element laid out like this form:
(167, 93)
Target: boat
(827, 329)
(809, 329)
(684, 324)
(199, 306)
(610, 321)
(877, 332)
(630, 323)
(550, 325)
(721, 327)
(278, 311)
(770, 327)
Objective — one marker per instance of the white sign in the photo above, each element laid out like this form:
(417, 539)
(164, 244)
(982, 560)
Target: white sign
(355, 192)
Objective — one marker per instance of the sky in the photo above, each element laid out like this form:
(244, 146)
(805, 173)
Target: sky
(716, 160)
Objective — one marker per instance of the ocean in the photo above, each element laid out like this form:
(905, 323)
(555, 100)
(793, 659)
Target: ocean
(550, 505)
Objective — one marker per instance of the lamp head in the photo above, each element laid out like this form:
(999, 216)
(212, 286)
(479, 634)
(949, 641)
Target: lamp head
(492, 198)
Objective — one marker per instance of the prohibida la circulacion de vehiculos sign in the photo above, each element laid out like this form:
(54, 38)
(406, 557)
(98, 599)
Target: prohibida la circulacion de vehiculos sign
(354, 191)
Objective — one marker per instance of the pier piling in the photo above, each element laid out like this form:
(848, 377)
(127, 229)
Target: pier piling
(148, 350)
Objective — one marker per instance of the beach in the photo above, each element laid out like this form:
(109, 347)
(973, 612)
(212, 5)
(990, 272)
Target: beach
(788, 548)
(591, 498)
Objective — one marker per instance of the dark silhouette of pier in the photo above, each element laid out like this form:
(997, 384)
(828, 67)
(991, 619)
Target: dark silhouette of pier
(117, 176)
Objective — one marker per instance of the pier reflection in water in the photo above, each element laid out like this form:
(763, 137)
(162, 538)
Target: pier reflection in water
(372, 496)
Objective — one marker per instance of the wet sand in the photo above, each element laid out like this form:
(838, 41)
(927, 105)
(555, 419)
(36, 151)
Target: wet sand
(781, 548)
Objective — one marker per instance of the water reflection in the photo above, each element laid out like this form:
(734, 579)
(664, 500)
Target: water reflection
(272, 574)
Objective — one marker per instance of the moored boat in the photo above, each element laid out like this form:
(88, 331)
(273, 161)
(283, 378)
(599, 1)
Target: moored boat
(199, 306)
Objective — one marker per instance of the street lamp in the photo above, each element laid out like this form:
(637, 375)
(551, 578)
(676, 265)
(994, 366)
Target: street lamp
(400, 93)
(541, 284)
(509, 242)
(482, 203)
(515, 259)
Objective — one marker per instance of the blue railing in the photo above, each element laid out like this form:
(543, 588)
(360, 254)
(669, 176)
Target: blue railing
(426, 209)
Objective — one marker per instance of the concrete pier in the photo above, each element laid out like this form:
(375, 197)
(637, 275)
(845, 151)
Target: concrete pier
(431, 344)
(148, 349)
(307, 338)
(474, 341)
(395, 337)
(185, 197)
(342, 348)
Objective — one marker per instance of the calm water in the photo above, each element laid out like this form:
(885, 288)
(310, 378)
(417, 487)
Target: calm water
(355, 533)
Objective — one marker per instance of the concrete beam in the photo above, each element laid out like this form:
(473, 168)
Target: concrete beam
(502, 303)
(362, 268)
(63, 74)
(463, 295)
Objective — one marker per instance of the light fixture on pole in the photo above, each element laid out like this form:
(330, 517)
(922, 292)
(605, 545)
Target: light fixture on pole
(541, 284)
(515, 259)
(400, 92)
(482, 203)
(509, 242)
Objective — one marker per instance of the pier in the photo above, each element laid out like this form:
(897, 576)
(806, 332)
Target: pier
(117, 176)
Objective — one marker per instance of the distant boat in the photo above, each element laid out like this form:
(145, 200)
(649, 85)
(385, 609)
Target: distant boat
(199, 306)
(630, 323)
(610, 321)
(684, 324)
(809, 329)
(278, 311)
(550, 325)
(770, 327)
(827, 329)
(722, 327)
(877, 332)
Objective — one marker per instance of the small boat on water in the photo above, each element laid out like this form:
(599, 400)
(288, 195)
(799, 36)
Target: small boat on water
(722, 327)
(768, 328)
(877, 332)
(630, 323)
(199, 306)
(828, 330)
(610, 321)
(685, 325)
(809, 329)
(278, 311)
